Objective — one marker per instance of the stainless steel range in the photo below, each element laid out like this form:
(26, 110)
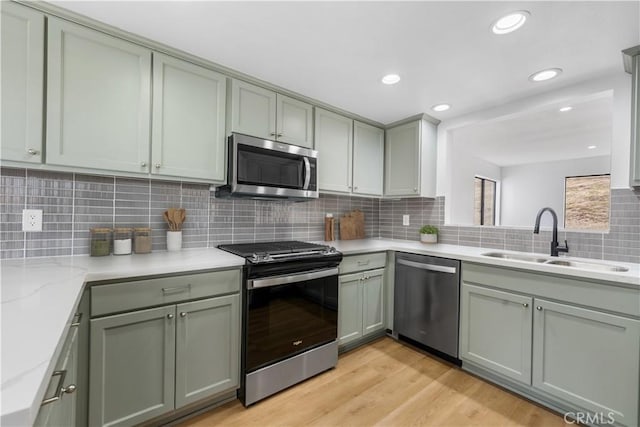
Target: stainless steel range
(290, 314)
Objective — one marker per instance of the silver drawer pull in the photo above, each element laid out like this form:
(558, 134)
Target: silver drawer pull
(176, 289)
(364, 262)
(76, 320)
(60, 390)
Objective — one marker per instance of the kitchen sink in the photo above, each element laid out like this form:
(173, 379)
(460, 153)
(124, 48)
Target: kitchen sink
(587, 265)
(515, 257)
(561, 262)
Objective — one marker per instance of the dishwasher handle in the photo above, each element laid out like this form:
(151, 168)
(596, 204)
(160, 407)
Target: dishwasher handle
(429, 267)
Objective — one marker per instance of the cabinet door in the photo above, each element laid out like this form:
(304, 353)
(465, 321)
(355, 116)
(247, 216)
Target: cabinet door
(188, 138)
(373, 302)
(402, 160)
(253, 110)
(132, 367)
(207, 348)
(294, 121)
(98, 100)
(587, 358)
(22, 76)
(350, 308)
(495, 331)
(334, 143)
(368, 158)
(63, 411)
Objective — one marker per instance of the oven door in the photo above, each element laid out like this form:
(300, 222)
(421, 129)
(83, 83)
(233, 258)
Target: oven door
(270, 168)
(287, 315)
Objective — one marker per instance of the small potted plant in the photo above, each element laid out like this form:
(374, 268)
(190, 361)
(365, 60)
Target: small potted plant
(429, 234)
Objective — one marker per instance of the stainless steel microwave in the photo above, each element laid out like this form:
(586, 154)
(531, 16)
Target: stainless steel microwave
(261, 168)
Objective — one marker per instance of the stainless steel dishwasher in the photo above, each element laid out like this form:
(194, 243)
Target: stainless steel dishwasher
(427, 301)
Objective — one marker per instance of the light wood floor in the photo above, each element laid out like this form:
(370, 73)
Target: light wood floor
(388, 384)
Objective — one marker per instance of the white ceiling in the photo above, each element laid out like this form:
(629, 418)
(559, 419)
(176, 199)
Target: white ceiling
(542, 135)
(336, 52)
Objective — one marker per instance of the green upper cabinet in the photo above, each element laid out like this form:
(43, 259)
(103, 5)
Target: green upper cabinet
(188, 134)
(22, 75)
(262, 113)
(632, 65)
(98, 100)
(334, 143)
(295, 121)
(410, 160)
(368, 159)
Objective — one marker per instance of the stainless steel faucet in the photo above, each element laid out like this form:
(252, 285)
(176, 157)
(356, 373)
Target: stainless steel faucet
(555, 248)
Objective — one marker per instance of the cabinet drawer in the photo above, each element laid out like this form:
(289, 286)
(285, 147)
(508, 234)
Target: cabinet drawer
(125, 296)
(362, 262)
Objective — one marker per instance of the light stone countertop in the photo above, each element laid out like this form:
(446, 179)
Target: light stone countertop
(39, 297)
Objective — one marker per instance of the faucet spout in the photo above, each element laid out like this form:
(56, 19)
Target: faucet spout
(555, 247)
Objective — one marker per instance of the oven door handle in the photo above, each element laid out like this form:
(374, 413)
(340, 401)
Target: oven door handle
(290, 278)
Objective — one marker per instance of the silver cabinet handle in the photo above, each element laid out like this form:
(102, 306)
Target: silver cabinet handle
(539, 308)
(176, 289)
(291, 278)
(415, 190)
(33, 152)
(430, 267)
(76, 319)
(279, 135)
(525, 305)
(272, 134)
(157, 165)
(183, 314)
(59, 389)
(364, 262)
(143, 164)
(355, 188)
(169, 316)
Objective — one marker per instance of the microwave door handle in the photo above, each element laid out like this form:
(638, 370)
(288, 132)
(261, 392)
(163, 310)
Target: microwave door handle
(307, 173)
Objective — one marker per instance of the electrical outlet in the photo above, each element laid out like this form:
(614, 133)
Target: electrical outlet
(32, 220)
(405, 219)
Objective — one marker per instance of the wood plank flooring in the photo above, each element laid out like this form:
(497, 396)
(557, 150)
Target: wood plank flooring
(386, 383)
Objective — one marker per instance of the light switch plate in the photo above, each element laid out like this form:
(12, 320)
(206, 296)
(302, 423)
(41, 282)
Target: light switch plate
(405, 219)
(32, 220)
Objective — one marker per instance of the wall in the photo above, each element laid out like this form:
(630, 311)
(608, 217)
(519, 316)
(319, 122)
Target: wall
(619, 82)
(527, 188)
(74, 203)
(462, 171)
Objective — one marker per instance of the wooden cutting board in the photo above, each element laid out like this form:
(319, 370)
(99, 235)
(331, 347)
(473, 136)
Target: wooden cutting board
(352, 225)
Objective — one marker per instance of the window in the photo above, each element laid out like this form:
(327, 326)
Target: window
(485, 202)
(586, 202)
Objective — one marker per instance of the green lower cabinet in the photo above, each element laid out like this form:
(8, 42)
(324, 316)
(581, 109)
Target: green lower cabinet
(587, 358)
(147, 363)
(207, 348)
(495, 331)
(361, 305)
(62, 412)
(132, 365)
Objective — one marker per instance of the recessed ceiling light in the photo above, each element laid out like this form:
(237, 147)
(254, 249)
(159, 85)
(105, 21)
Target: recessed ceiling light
(591, 147)
(565, 109)
(391, 79)
(441, 107)
(510, 22)
(543, 75)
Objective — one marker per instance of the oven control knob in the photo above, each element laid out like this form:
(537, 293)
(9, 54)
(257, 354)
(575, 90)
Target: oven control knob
(255, 258)
(330, 250)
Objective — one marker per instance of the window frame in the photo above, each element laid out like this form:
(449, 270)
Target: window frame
(482, 204)
(564, 204)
